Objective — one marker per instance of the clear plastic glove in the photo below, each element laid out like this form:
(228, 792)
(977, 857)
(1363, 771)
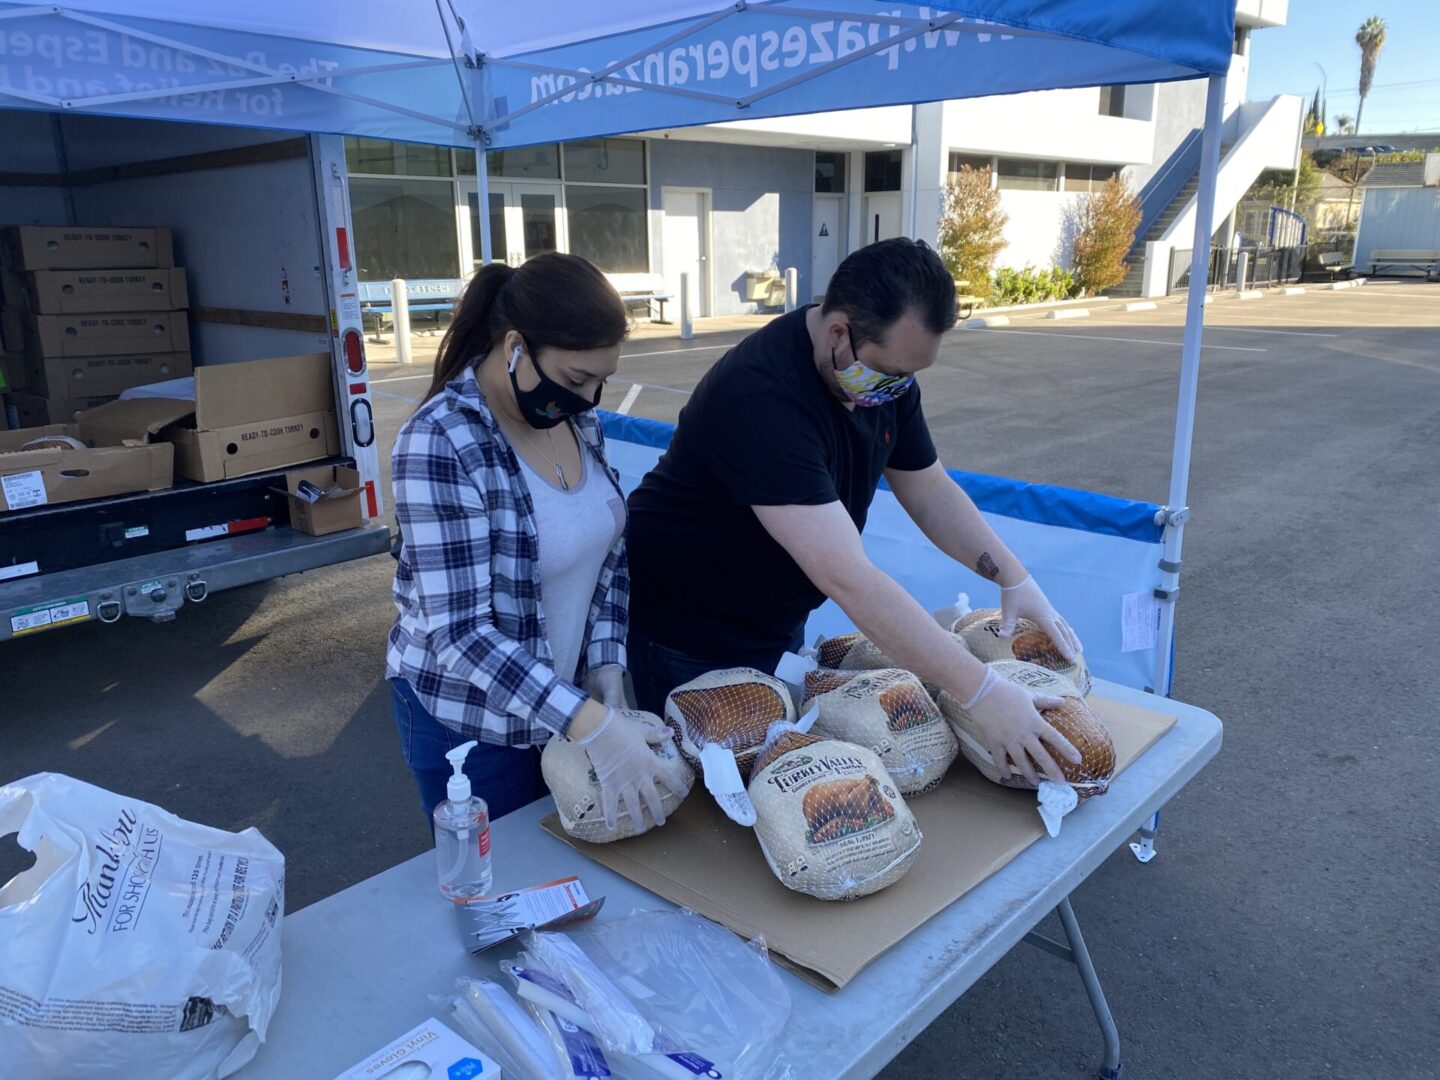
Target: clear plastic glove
(1009, 718)
(628, 769)
(1027, 601)
(607, 685)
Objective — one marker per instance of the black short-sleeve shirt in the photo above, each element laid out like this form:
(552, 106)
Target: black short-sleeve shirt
(761, 429)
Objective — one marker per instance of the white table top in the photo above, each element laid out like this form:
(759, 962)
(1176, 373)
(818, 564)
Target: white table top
(360, 966)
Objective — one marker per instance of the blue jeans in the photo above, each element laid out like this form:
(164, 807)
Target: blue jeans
(506, 777)
(656, 669)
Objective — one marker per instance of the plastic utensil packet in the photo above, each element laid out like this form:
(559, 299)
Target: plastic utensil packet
(524, 1044)
(614, 1017)
(699, 986)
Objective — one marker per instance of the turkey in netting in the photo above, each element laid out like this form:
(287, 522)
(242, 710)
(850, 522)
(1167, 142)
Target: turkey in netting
(733, 708)
(1073, 719)
(830, 820)
(571, 779)
(980, 630)
(850, 652)
(889, 712)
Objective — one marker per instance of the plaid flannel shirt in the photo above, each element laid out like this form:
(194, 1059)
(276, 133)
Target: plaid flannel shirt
(470, 637)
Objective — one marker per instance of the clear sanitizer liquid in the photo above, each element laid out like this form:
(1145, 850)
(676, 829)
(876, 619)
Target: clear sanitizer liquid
(462, 836)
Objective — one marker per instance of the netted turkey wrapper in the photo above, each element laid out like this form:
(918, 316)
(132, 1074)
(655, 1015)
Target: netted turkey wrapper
(734, 707)
(889, 712)
(980, 630)
(1073, 719)
(830, 820)
(850, 652)
(571, 779)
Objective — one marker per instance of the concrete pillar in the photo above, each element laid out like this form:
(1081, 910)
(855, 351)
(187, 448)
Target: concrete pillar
(400, 301)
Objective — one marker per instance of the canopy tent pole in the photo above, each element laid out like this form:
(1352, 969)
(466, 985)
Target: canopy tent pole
(1176, 512)
(482, 176)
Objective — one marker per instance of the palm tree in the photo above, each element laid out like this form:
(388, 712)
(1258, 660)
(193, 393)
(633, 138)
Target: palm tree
(1344, 124)
(1371, 39)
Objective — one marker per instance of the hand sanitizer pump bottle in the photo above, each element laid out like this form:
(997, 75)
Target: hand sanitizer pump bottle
(462, 835)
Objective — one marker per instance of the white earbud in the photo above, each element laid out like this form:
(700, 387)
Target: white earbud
(515, 358)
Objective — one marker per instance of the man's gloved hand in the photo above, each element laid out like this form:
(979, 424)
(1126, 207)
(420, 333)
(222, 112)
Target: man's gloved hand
(628, 769)
(1009, 718)
(1027, 601)
(607, 685)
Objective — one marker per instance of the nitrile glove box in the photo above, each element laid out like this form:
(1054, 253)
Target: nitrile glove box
(444, 1055)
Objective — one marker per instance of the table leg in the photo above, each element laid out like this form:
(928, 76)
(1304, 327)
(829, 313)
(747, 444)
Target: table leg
(1077, 954)
(1144, 848)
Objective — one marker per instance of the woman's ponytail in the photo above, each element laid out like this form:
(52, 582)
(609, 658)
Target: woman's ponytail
(469, 334)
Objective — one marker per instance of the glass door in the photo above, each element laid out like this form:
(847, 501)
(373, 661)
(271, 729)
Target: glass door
(526, 219)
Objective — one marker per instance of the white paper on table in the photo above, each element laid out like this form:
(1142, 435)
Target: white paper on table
(1139, 622)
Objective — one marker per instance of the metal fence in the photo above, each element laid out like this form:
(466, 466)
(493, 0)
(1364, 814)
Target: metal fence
(1268, 266)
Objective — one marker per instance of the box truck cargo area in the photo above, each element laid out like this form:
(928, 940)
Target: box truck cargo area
(211, 266)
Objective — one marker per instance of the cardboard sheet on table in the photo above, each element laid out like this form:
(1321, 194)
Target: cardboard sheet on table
(971, 827)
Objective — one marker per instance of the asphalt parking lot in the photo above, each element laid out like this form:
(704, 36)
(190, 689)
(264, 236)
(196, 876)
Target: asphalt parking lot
(1288, 928)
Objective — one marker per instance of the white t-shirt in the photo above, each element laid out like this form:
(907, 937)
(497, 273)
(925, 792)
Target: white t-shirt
(575, 531)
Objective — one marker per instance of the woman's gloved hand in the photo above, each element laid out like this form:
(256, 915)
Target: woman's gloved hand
(1009, 718)
(628, 769)
(1027, 601)
(607, 685)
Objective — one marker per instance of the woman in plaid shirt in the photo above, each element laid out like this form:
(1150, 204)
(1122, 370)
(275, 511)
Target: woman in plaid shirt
(502, 487)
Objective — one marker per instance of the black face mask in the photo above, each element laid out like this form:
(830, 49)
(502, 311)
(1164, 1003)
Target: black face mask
(548, 403)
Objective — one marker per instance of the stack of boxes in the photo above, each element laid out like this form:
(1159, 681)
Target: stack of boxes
(87, 313)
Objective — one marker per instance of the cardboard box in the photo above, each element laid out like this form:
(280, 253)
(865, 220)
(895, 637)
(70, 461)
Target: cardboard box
(971, 828)
(258, 415)
(32, 410)
(122, 458)
(66, 247)
(102, 376)
(338, 507)
(71, 292)
(434, 1049)
(120, 333)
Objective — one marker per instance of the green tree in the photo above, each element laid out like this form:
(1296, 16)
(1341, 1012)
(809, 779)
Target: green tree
(972, 228)
(1106, 223)
(1277, 186)
(1344, 124)
(1371, 39)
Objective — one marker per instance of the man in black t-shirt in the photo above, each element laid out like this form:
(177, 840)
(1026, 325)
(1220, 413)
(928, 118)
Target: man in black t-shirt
(752, 518)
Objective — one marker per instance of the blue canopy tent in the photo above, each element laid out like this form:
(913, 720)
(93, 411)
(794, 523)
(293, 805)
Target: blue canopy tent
(467, 71)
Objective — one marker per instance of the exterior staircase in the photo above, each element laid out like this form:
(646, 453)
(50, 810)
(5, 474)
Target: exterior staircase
(1135, 261)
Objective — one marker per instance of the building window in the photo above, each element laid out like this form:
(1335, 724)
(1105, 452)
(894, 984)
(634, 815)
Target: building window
(386, 158)
(404, 228)
(605, 161)
(607, 226)
(1112, 101)
(830, 172)
(523, 163)
(882, 170)
(1017, 174)
(970, 161)
(1088, 177)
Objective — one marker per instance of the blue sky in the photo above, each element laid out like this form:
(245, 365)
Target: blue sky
(1406, 94)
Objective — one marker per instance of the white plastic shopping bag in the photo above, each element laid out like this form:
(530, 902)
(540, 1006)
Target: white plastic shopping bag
(139, 944)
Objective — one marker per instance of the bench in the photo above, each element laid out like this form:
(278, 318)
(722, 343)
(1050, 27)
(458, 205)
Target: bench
(424, 294)
(644, 289)
(1335, 263)
(1421, 261)
(965, 303)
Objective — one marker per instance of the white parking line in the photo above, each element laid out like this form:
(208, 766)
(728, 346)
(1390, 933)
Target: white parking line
(672, 352)
(1257, 330)
(1073, 334)
(634, 392)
